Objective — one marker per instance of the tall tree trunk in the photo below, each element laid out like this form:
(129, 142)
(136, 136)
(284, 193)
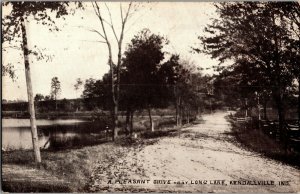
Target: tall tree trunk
(299, 100)
(116, 121)
(180, 112)
(35, 143)
(131, 122)
(177, 110)
(111, 66)
(114, 100)
(183, 116)
(55, 104)
(280, 113)
(188, 116)
(278, 92)
(283, 135)
(117, 93)
(210, 104)
(150, 119)
(127, 121)
(176, 105)
(265, 102)
(120, 41)
(119, 67)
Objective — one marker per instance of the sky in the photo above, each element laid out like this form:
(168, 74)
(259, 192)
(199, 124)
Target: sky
(77, 54)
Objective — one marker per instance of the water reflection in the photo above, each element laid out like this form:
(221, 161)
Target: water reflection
(53, 134)
(39, 122)
(18, 138)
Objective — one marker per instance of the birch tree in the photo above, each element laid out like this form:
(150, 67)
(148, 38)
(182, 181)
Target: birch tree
(14, 32)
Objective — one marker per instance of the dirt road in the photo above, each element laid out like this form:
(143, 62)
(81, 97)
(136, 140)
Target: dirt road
(201, 158)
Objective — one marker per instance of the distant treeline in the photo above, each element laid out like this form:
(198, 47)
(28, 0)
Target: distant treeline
(84, 104)
(66, 105)
(69, 105)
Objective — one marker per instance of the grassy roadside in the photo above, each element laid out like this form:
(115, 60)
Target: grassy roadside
(74, 166)
(255, 140)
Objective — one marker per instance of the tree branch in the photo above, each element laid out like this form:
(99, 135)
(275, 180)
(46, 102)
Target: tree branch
(94, 41)
(111, 23)
(121, 10)
(128, 11)
(96, 31)
(98, 13)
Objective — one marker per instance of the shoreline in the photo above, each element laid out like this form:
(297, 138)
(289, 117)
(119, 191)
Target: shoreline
(48, 116)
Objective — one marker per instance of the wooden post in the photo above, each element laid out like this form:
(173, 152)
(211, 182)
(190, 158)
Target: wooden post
(152, 126)
(35, 143)
(210, 104)
(150, 118)
(259, 117)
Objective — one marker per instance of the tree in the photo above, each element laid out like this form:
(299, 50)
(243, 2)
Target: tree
(181, 83)
(47, 97)
(184, 91)
(97, 93)
(115, 77)
(254, 36)
(241, 81)
(13, 28)
(291, 12)
(141, 79)
(55, 90)
(39, 97)
(170, 73)
(78, 84)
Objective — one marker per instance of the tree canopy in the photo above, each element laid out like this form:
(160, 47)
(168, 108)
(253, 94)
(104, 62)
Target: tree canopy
(259, 39)
(142, 59)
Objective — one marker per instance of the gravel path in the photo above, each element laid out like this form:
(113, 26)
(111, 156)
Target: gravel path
(201, 158)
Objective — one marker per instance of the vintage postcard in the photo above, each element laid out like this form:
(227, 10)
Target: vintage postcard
(176, 97)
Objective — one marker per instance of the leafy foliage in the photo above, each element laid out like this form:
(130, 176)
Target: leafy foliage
(38, 11)
(142, 59)
(261, 39)
(39, 97)
(97, 93)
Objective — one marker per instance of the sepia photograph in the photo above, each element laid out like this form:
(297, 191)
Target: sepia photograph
(150, 97)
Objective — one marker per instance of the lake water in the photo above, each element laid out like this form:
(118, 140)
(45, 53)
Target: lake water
(54, 134)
